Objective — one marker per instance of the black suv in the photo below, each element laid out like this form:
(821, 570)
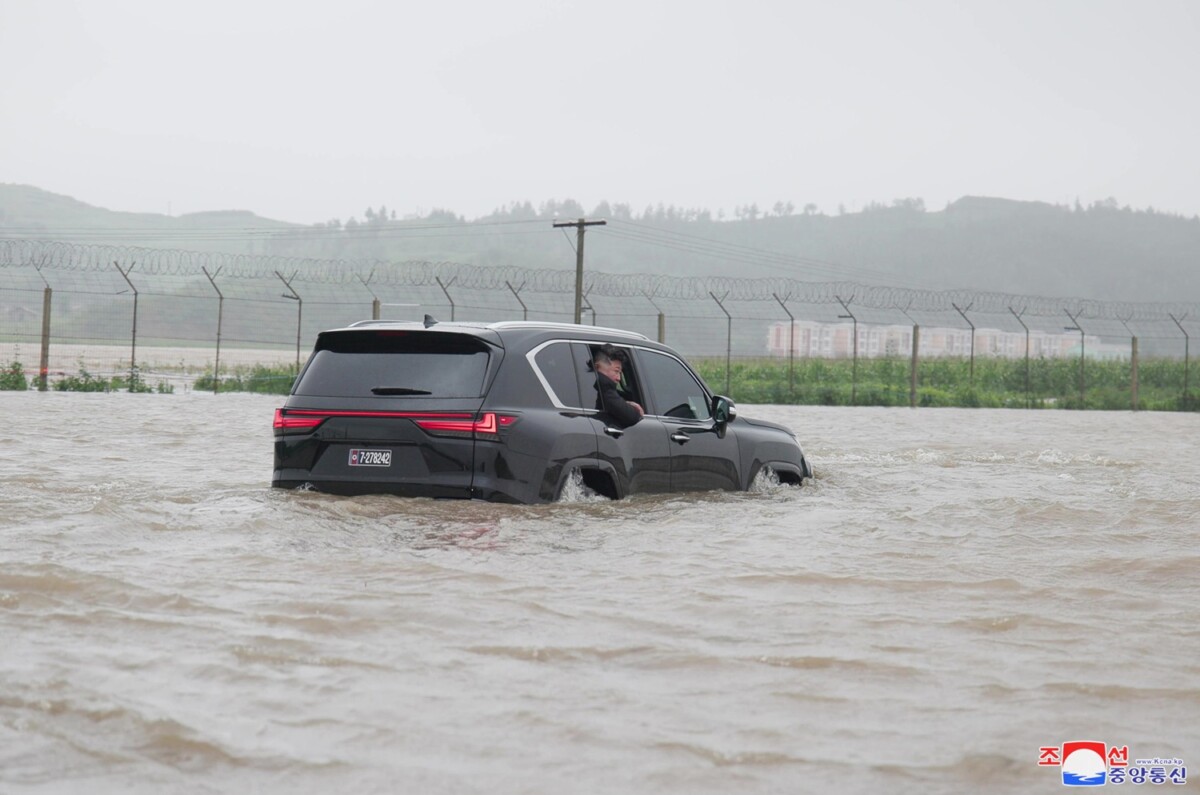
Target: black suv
(507, 412)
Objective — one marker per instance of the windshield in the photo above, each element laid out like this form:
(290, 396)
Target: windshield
(389, 363)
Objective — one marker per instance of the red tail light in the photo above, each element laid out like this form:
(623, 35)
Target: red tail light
(459, 424)
(298, 421)
(486, 427)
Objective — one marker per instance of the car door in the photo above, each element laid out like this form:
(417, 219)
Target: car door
(701, 458)
(567, 433)
(639, 455)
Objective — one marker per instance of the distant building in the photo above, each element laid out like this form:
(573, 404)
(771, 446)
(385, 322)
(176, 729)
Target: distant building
(836, 340)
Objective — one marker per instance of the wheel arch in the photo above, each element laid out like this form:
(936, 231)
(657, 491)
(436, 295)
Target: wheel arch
(599, 476)
(788, 473)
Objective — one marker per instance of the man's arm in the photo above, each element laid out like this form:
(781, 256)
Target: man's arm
(624, 412)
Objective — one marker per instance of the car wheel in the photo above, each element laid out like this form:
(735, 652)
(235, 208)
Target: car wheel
(771, 479)
(766, 480)
(585, 485)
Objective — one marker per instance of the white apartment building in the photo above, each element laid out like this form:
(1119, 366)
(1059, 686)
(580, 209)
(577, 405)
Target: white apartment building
(836, 340)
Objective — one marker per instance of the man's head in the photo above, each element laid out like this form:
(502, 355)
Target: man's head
(609, 362)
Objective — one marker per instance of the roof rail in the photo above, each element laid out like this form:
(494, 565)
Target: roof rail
(505, 324)
(535, 324)
(418, 324)
(359, 323)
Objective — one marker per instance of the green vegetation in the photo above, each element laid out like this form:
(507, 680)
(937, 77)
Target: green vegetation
(997, 383)
(86, 382)
(264, 379)
(13, 378)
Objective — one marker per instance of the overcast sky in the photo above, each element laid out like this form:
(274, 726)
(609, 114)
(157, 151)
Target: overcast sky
(306, 111)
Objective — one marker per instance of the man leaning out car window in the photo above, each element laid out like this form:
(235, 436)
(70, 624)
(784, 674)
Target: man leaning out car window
(608, 362)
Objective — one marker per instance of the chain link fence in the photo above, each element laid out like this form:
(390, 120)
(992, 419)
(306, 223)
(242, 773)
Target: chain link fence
(172, 316)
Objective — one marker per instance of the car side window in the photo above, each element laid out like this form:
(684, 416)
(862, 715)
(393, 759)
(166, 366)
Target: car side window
(675, 392)
(585, 376)
(557, 364)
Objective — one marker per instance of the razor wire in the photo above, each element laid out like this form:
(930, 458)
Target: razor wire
(58, 256)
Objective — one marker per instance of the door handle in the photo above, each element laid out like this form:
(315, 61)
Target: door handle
(680, 437)
(615, 433)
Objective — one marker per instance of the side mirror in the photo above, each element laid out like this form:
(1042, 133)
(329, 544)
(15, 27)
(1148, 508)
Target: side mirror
(723, 410)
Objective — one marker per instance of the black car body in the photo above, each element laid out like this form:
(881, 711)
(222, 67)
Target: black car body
(506, 412)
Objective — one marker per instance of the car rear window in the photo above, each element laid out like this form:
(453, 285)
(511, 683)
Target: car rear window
(387, 363)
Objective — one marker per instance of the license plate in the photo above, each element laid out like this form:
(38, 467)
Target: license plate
(370, 458)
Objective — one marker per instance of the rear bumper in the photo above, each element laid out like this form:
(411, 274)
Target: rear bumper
(499, 475)
(490, 492)
(445, 488)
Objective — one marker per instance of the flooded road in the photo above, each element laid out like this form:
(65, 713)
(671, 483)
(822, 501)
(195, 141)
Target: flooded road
(954, 591)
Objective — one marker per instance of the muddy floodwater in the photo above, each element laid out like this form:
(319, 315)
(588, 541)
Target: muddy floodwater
(956, 590)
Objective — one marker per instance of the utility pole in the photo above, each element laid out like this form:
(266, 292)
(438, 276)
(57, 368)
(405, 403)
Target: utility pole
(579, 227)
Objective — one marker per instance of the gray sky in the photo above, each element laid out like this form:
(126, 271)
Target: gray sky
(307, 111)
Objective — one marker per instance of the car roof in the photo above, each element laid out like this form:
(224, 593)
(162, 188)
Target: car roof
(505, 328)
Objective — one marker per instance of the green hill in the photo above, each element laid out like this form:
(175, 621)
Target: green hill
(30, 212)
(1102, 251)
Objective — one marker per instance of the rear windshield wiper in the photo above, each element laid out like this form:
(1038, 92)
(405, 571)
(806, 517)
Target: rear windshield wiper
(398, 390)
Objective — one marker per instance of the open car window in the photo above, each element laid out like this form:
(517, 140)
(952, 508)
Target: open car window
(629, 385)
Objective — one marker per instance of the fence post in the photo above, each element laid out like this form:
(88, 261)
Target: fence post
(446, 290)
(212, 279)
(1017, 315)
(133, 333)
(728, 337)
(791, 343)
(1133, 364)
(586, 304)
(1082, 352)
(44, 364)
(854, 368)
(376, 306)
(912, 384)
(662, 319)
(295, 296)
(1186, 341)
(516, 294)
(1133, 373)
(44, 361)
(916, 358)
(963, 312)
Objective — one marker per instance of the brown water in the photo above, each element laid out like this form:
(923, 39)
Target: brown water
(955, 590)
